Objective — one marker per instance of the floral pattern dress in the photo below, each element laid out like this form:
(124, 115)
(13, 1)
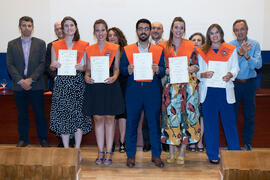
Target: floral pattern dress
(180, 110)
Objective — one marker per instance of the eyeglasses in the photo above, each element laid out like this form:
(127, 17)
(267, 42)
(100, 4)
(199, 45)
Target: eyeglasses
(145, 29)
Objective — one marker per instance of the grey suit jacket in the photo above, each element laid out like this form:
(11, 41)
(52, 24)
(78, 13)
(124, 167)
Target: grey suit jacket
(36, 63)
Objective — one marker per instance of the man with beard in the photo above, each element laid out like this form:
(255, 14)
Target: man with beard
(156, 38)
(143, 95)
(156, 33)
(26, 64)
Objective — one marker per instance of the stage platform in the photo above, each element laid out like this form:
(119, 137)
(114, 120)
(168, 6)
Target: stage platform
(196, 165)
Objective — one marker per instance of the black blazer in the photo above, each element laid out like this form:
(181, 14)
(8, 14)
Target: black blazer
(36, 64)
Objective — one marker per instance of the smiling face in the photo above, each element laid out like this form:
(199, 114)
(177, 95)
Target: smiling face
(178, 29)
(157, 31)
(69, 28)
(240, 31)
(143, 31)
(215, 36)
(26, 28)
(100, 32)
(112, 37)
(198, 41)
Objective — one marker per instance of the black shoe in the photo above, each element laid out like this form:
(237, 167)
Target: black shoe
(122, 147)
(214, 161)
(44, 143)
(146, 147)
(113, 147)
(72, 142)
(165, 147)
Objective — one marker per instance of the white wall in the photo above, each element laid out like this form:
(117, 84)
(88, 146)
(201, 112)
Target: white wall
(198, 14)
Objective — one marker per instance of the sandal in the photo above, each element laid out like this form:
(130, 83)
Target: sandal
(171, 158)
(100, 158)
(108, 159)
(122, 148)
(180, 160)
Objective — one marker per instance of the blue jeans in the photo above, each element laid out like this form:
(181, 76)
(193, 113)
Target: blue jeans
(246, 93)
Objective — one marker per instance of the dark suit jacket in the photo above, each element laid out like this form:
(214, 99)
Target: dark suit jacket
(48, 72)
(36, 64)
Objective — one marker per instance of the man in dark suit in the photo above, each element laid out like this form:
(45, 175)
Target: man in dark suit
(25, 64)
(50, 75)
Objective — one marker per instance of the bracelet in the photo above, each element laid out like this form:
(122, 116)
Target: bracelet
(239, 54)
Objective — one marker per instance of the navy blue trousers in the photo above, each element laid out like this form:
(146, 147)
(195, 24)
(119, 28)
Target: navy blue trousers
(145, 98)
(23, 99)
(246, 93)
(214, 105)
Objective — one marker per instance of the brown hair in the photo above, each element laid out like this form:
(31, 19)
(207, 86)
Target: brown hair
(77, 34)
(206, 47)
(239, 21)
(121, 37)
(180, 19)
(26, 18)
(100, 21)
(198, 34)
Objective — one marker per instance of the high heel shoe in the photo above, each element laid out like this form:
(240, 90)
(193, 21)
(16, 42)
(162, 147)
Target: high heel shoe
(108, 159)
(100, 158)
(122, 148)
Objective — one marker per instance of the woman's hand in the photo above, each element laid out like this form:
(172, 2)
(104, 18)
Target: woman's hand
(227, 77)
(207, 74)
(110, 80)
(88, 79)
(79, 67)
(55, 65)
(130, 69)
(192, 69)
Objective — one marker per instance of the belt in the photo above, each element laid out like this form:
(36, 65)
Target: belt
(243, 80)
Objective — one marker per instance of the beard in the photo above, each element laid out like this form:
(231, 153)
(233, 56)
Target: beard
(143, 37)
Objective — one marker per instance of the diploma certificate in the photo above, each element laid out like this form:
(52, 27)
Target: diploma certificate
(68, 60)
(143, 66)
(99, 68)
(220, 70)
(178, 70)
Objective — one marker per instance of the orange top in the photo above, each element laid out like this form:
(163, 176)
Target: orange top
(133, 48)
(79, 45)
(224, 53)
(110, 50)
(186, 48)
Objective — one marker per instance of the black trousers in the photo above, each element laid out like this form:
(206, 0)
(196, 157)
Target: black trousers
(23, 99)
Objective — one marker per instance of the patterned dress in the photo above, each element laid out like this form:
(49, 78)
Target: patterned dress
(67, 99)
(180, 112)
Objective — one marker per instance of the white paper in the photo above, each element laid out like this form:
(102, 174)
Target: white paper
(68, 60)
(178, 70)
(99, 68)
(220, 70)
(143, 66)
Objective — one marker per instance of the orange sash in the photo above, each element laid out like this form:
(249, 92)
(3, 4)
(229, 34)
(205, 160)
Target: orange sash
(154, 49)
(110, 50)
(79, 45)
(186, 48)
(224, 53)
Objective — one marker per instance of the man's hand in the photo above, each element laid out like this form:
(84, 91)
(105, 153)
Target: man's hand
(130, 69)
(26, 84)
(155, 68)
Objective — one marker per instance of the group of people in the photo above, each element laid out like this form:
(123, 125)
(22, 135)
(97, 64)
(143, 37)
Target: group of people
(176, 114)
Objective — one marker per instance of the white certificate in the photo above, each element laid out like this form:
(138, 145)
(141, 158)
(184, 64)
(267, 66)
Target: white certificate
(220, 70)
(178, 70)
(143, 66)
(68, 60)
(99, 68)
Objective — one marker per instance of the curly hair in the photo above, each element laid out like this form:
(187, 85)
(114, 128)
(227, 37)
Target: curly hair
(122, 41)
